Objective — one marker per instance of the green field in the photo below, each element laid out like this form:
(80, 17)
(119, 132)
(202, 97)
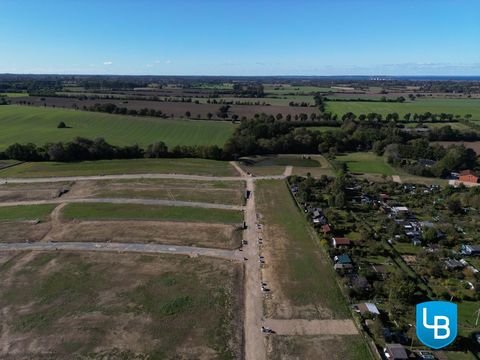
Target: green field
(280, 160)
(113, 167)
(306, 274)
(21, 124)
(437, 106)
(30, 212)
(467, 314)
(453, 125)
(106, 211)
(13, 95)
(274, 89)
(366, 162)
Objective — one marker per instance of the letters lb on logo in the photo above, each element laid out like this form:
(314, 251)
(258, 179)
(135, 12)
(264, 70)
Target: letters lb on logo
(436, 323)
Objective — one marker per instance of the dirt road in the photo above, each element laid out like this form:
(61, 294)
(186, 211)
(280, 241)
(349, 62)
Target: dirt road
(128, 177)
(396, 179)
(288, 171)
(121, 247)
(254, 340)
(238, 168)
(125, 201)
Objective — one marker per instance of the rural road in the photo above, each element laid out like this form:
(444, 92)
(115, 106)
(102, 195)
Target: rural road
(124, 201)
(254, 339)
(312, 327)
(288, 171)
(130, 177)
(121, 247)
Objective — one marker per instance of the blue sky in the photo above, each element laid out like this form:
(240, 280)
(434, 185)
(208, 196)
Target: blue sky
(234, 37)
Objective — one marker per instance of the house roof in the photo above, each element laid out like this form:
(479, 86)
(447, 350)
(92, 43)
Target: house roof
(397, 351)
(452, 264)
(467, 172)
(367, 308)
(399, 208)
(326, 228)
(473, 247)
(343, 259)
(372, 308)
(341, 241)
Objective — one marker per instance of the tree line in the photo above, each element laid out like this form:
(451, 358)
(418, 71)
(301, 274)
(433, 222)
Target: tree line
(268, 135)
(83, 149)
(441, 161)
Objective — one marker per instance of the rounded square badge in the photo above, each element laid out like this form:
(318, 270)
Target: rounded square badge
(436, 323)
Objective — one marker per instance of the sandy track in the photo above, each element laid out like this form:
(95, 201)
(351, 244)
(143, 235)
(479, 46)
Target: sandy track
(238, 168)
(254, 341)
(288, 171)
(129, 177)
(124, 201)
(312, 327)
(396, 179)
(120, 247)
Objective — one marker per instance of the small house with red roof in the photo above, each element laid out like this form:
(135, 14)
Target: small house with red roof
(468, 176)
(340, 242)
(326, 229)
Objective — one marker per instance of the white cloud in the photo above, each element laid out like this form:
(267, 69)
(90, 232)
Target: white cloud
(168, 62)
(108, 63)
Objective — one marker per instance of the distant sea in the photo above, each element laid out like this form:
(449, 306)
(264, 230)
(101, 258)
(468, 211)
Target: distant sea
(387, 77)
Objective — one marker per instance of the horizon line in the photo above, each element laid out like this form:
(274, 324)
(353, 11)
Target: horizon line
(245, 76)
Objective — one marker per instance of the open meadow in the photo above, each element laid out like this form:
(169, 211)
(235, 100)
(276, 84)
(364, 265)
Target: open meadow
(296, 263)
(96, 306)
(437, 106)
(26, 213)
(366, 162)
(304, 280)
(110, 211)
(21, 124)
(119, 167)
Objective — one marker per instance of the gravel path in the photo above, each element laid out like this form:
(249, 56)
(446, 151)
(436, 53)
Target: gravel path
(121, 247)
